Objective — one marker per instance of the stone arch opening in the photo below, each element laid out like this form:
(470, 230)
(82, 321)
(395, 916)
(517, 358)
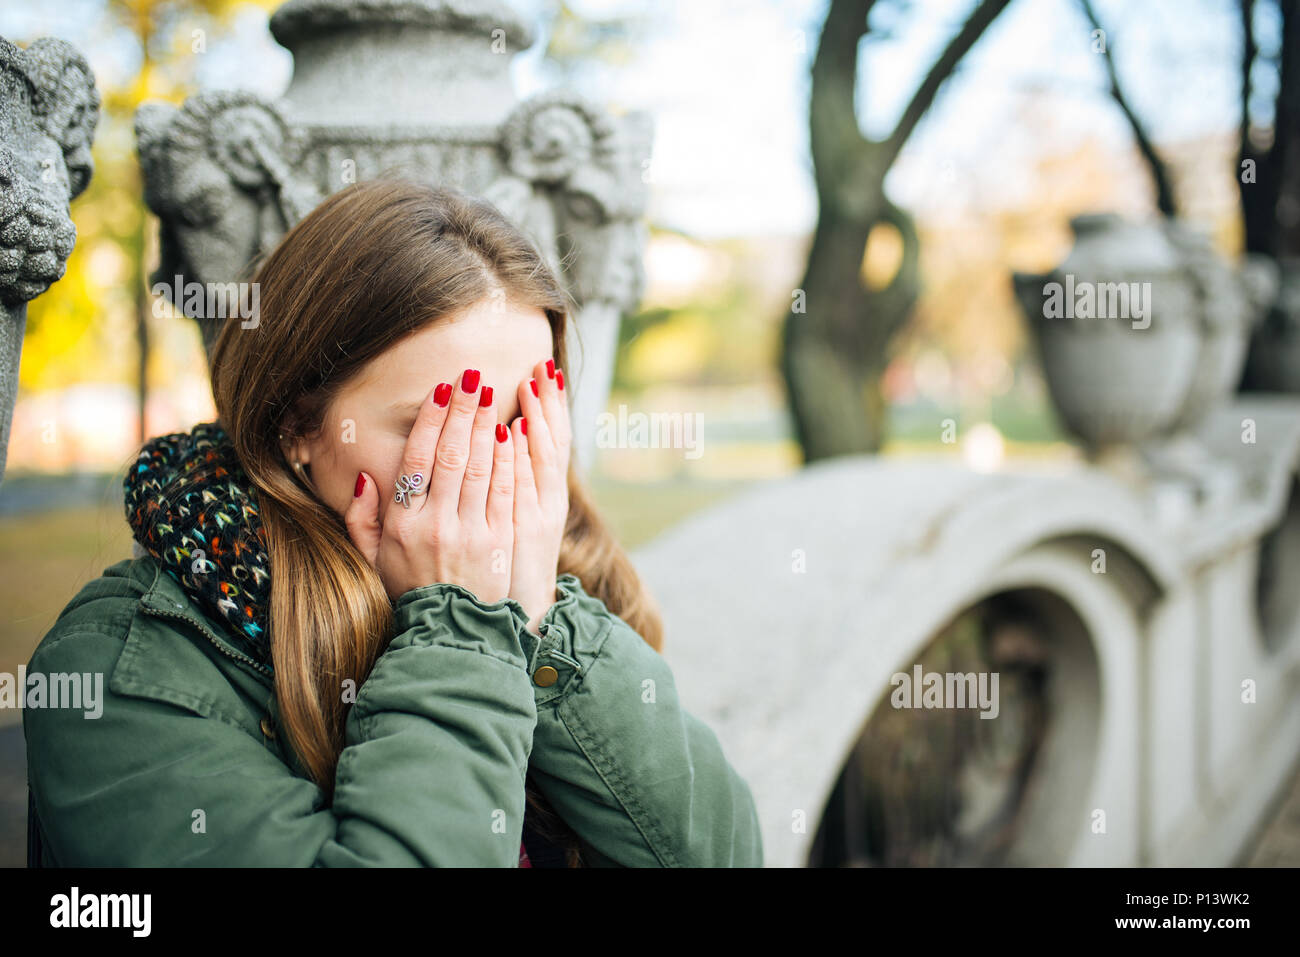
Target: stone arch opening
(946, 787)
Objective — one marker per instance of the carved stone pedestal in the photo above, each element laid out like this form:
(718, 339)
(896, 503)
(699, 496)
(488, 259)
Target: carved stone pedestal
(420, 87)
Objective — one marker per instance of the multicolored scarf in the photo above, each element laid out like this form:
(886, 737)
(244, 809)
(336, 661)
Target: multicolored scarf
(191, 506)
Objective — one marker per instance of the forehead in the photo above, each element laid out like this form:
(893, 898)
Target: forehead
(502, 340)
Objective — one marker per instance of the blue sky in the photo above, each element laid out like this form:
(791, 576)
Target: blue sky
(727, 82)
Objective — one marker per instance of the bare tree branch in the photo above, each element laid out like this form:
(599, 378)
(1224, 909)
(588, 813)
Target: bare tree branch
(971, 30)
(1159, 171)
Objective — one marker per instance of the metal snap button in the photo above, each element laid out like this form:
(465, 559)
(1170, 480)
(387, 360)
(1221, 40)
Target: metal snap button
(545, 676)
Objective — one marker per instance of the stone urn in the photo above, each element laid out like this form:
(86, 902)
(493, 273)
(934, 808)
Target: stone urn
(1142, 329)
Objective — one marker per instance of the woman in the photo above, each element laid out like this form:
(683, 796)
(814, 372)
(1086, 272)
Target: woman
(377, 620)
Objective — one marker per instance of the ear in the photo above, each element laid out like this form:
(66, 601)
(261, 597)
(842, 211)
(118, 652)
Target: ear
(295, 446)
(296, 450)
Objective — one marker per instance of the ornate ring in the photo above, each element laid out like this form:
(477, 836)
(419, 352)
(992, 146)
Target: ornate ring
(409, 486)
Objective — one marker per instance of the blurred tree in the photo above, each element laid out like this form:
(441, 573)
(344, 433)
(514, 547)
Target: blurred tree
(164, 29)
(841, 320)
(1270, 151)
(1268, 178)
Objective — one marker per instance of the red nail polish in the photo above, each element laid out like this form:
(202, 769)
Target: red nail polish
(360, 487)
(502, 432)
(559, 379)
(533, 383)
(523, 426)
(550, 368)
(485, 397)
(469, 381)
(442, 394)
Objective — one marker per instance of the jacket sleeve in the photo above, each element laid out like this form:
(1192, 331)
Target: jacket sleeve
(643, 782)
(432, 774)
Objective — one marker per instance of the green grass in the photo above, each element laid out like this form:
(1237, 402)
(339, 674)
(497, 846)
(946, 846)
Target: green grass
(638, 512)
(47, 557)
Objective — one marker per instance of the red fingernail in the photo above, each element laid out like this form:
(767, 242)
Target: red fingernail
(559, 379)
(485, 397)
(533, 383)
(550, 368)
(361, 486)
(469, 381)
(502, 432)
(523, 426)
(442, 394)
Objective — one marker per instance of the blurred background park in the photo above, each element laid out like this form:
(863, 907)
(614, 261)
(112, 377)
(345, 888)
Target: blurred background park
(1050, 109)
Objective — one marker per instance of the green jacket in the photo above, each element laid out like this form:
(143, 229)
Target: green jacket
(184, 767)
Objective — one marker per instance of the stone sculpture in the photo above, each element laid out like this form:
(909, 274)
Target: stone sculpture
(49, 108)
(228, 173)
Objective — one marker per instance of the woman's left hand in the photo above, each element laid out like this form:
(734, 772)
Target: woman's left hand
(542, 440)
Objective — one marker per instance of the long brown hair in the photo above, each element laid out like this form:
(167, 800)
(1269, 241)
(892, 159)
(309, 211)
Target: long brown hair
(373, 263)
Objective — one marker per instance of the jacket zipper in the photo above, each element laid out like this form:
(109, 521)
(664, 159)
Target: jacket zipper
(257, 665)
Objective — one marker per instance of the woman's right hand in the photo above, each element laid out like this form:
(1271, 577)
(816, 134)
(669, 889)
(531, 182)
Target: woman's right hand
(461, 530)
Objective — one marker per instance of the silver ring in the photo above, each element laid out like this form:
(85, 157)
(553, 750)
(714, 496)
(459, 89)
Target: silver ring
(409, 486)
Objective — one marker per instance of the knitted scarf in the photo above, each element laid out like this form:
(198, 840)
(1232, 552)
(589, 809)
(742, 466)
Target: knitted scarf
(191, 506)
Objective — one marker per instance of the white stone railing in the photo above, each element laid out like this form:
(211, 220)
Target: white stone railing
(1148, 658)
